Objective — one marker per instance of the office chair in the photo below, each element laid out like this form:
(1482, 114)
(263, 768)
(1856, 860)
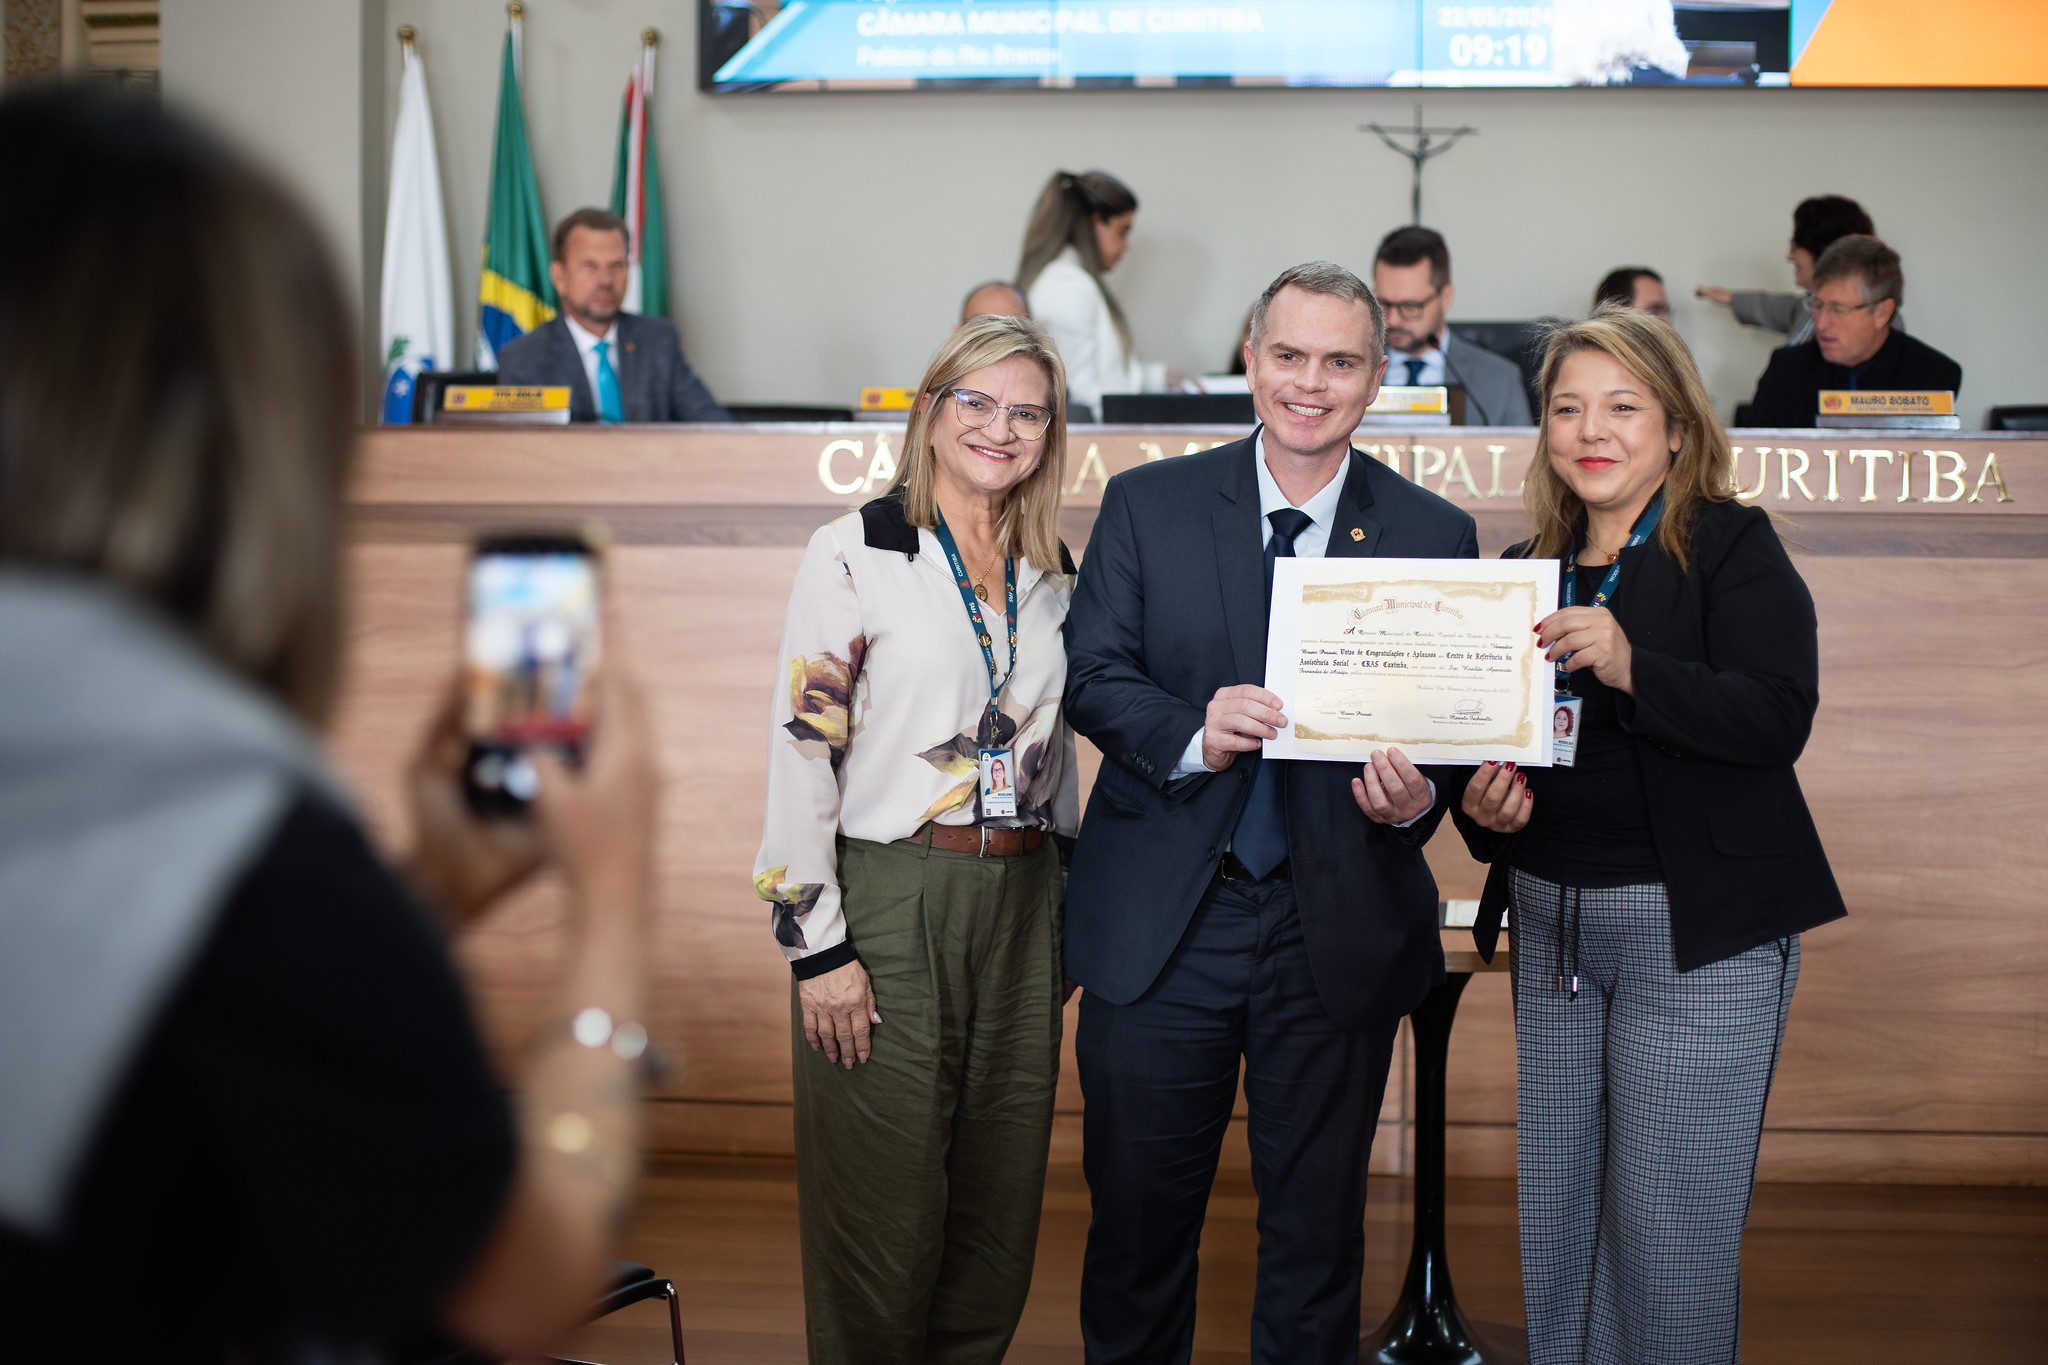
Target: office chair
(2026, 417)
(631, 1283)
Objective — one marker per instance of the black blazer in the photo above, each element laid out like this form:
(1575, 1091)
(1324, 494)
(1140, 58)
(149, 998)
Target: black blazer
(1170, 606)
(656, 383)
(1726, 664)
(1788, 395)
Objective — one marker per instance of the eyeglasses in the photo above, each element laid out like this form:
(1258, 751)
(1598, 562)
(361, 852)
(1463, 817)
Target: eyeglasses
(1412, 309)
(1838, 310)
(975, 409)
(1658, 310)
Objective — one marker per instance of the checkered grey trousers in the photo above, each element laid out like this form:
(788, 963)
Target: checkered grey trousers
(1641, 1103)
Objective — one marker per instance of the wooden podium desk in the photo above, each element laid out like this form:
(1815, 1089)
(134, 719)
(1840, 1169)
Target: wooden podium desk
(1916, 1047)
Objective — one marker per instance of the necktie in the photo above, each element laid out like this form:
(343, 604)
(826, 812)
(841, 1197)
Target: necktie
(1415, 368)
(608, 406)
(1260, 840)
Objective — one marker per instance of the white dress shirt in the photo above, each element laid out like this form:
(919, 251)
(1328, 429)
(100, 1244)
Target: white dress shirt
(586, 350)
(1432, 367)
(1321, 510)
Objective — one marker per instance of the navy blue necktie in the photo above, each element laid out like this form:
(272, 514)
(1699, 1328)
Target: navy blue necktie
(1260, 840)
(1415, 368)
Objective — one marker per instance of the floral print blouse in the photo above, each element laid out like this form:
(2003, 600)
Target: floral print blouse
(881, 711)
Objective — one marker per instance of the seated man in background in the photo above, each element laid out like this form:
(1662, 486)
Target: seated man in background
(1411, 273)
(1857, 289)
(999, 298)
(1637, 287)
(619, 366)
(1817, 224)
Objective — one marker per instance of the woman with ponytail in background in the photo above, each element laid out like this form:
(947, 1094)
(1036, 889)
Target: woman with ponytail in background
(1077, 234)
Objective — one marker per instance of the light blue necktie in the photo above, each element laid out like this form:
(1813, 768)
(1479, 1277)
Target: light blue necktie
(1415, 368)
(1260, 839)
(609, 408)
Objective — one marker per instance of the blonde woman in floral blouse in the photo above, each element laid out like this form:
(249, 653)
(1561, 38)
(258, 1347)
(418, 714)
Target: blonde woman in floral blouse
(920, 770)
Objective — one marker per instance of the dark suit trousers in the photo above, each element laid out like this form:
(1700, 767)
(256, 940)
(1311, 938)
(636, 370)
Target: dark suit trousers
(1160, 1078)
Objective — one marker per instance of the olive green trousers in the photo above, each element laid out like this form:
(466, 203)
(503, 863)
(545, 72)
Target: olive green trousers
(920, 1173)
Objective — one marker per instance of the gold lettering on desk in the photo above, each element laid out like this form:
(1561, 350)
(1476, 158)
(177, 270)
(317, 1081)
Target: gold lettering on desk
(1424, 471)
(1905, 476)
(1954, 474)
(1459, 470)
(1870, 459)
(1389, 454)
(1763, 472)
(832, 485)
(1152, 451)
(1091, 465)
(1991, 476)
(882, 469)
(1834, 486)
(1495, 490)
(1787, 475)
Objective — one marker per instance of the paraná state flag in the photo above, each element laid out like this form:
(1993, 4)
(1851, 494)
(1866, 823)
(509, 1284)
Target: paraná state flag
(515, 295)
(636, 192)
(418, 300)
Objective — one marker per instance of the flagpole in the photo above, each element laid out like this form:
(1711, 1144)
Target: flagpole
(650, 40)
(515, 14)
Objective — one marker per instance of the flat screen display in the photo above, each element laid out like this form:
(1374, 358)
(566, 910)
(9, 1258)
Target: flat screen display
(1054, 44)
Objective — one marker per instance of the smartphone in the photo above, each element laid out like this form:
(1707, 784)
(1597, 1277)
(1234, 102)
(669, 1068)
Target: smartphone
(531, 653)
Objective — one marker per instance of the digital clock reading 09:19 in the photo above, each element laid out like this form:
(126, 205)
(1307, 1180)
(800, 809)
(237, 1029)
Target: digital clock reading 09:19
(1487, 37)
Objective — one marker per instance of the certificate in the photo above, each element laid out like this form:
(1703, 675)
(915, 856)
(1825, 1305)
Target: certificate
(1437, 656)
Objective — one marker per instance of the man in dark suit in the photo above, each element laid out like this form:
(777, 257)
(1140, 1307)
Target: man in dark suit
(1858, 286)
(1225, 909)
(619, 366)
(1411, 276)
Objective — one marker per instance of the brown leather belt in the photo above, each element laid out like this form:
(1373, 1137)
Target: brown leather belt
(978, 839)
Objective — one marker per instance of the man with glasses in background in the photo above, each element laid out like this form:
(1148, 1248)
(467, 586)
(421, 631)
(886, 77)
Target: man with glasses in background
(1411, 273)
(1857, 289)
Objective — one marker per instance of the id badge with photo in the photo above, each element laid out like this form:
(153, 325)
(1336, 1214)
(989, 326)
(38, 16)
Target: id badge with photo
(1565, 713)
(998, 782)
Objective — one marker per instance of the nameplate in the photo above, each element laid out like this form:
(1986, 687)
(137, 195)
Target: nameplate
(505, 404)
(887, 400)
(1411, 399)
(1887, 403)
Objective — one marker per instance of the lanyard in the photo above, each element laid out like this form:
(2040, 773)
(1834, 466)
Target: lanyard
(966, 586)
(1645, 524)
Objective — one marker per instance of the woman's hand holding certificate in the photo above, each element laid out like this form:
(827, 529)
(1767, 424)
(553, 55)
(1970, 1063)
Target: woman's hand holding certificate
(1593, 639)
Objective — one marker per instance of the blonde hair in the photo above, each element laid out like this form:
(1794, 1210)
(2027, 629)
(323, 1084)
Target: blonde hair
(1029, 527)
(1701, 469)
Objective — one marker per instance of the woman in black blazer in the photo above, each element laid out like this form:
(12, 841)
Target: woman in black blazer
(1656, 887)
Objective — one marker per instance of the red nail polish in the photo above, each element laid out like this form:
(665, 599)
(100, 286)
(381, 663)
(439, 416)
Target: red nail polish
(1528, 795)
(1511, 765)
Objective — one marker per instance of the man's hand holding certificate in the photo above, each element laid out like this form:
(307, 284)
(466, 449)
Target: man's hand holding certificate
(1437, 657)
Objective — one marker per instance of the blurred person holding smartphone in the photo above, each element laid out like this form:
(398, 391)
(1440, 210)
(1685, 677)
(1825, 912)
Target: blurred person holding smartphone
(244, 1109)
(920, 770)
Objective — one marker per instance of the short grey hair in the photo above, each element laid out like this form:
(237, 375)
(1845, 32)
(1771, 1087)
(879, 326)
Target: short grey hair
(1873, 265)
(1321, 277)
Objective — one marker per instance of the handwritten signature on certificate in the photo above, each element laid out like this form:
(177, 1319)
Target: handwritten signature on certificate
(1437, 656)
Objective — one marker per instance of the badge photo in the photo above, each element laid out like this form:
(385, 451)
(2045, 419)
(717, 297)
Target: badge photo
(998, 783)
(1564, 730)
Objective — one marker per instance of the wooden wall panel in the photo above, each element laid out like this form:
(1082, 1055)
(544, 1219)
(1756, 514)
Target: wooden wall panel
(1918, 1036)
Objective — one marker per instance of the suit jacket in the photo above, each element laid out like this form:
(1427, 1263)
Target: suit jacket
(1169, 607)
(1495, 395)
(1789, 393)
(656, 383)
(1726, 663)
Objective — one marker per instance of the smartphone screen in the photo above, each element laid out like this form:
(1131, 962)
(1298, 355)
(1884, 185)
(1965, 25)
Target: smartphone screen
(531, 656)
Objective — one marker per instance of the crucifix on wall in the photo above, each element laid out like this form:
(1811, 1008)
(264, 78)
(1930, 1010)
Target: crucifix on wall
(1425, 143)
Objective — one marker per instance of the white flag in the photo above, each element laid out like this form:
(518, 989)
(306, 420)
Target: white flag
(419, 307)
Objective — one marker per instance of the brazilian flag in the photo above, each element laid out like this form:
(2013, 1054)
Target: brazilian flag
(515, 295)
